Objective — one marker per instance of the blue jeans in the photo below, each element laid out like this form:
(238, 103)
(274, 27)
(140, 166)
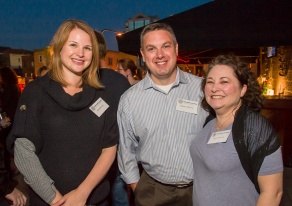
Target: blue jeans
(119, 193)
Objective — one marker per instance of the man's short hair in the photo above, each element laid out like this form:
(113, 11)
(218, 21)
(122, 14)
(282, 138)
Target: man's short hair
(101, 44)
(155, 27)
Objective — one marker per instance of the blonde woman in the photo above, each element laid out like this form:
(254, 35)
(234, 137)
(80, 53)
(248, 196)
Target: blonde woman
(65, 132)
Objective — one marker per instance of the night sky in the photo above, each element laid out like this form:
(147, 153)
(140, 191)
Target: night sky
(29, 25)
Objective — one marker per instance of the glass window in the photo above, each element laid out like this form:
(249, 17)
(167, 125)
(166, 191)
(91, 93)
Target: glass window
(139, 24)
(131, 26)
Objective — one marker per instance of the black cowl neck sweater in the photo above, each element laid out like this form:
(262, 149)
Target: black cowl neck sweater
(68, 136)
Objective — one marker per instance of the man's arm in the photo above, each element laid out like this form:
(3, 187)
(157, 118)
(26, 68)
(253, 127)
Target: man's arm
(127, 146)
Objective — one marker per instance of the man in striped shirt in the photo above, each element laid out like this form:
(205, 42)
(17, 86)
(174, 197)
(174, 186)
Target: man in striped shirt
(158, 117)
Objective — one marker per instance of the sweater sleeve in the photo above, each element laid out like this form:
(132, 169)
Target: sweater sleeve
(34, 175)
(26, 119)
(254, 139)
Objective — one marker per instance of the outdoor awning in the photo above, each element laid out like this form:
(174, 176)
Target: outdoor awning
(240, 26)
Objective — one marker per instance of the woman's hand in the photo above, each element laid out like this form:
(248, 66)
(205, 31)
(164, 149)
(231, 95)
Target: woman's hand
(5, 122)
(78, 197)
(57, 200)
(16, 197)
(73, 198)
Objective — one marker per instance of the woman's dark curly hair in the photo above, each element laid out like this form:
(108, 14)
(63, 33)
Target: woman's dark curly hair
(8, 76)
(253, 96)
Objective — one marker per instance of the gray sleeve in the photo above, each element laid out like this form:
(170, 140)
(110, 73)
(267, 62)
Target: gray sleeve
(272, 164)
(34, 174)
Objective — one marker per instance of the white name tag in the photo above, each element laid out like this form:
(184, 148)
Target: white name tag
(219, 137)
(187, 106)
(99, 107)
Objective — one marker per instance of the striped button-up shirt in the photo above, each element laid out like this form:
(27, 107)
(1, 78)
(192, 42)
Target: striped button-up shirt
(156, 134)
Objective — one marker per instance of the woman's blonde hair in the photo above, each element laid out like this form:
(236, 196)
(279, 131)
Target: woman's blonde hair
(89, 75)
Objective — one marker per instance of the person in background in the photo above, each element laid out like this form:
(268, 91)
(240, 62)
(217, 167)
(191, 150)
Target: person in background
(65, 133)
(237, 156)
(158, 117)
(9, 194)
(115, 84)
(9, 96)
(42, 71)
(10, 93)
(128, 68)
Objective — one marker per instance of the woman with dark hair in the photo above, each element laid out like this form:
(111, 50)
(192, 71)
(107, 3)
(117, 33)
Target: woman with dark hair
(128, 68)
(9, 96)
(10, 91)
(65, 133)
(237, 156)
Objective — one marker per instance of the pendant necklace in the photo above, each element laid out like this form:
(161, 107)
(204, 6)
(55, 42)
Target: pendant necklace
(221, 126)
(232, 113)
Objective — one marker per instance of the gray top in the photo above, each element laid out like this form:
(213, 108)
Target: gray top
(34, 174)
(219, 178)
(155, 133)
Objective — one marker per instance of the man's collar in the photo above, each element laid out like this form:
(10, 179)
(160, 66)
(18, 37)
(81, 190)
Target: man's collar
(180, 78)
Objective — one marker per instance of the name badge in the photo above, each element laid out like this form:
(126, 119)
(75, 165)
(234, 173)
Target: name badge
(219, 137)
(187, 106)
(99, 107)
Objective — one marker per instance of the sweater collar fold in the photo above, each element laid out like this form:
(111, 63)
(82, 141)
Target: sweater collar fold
(78, 101)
